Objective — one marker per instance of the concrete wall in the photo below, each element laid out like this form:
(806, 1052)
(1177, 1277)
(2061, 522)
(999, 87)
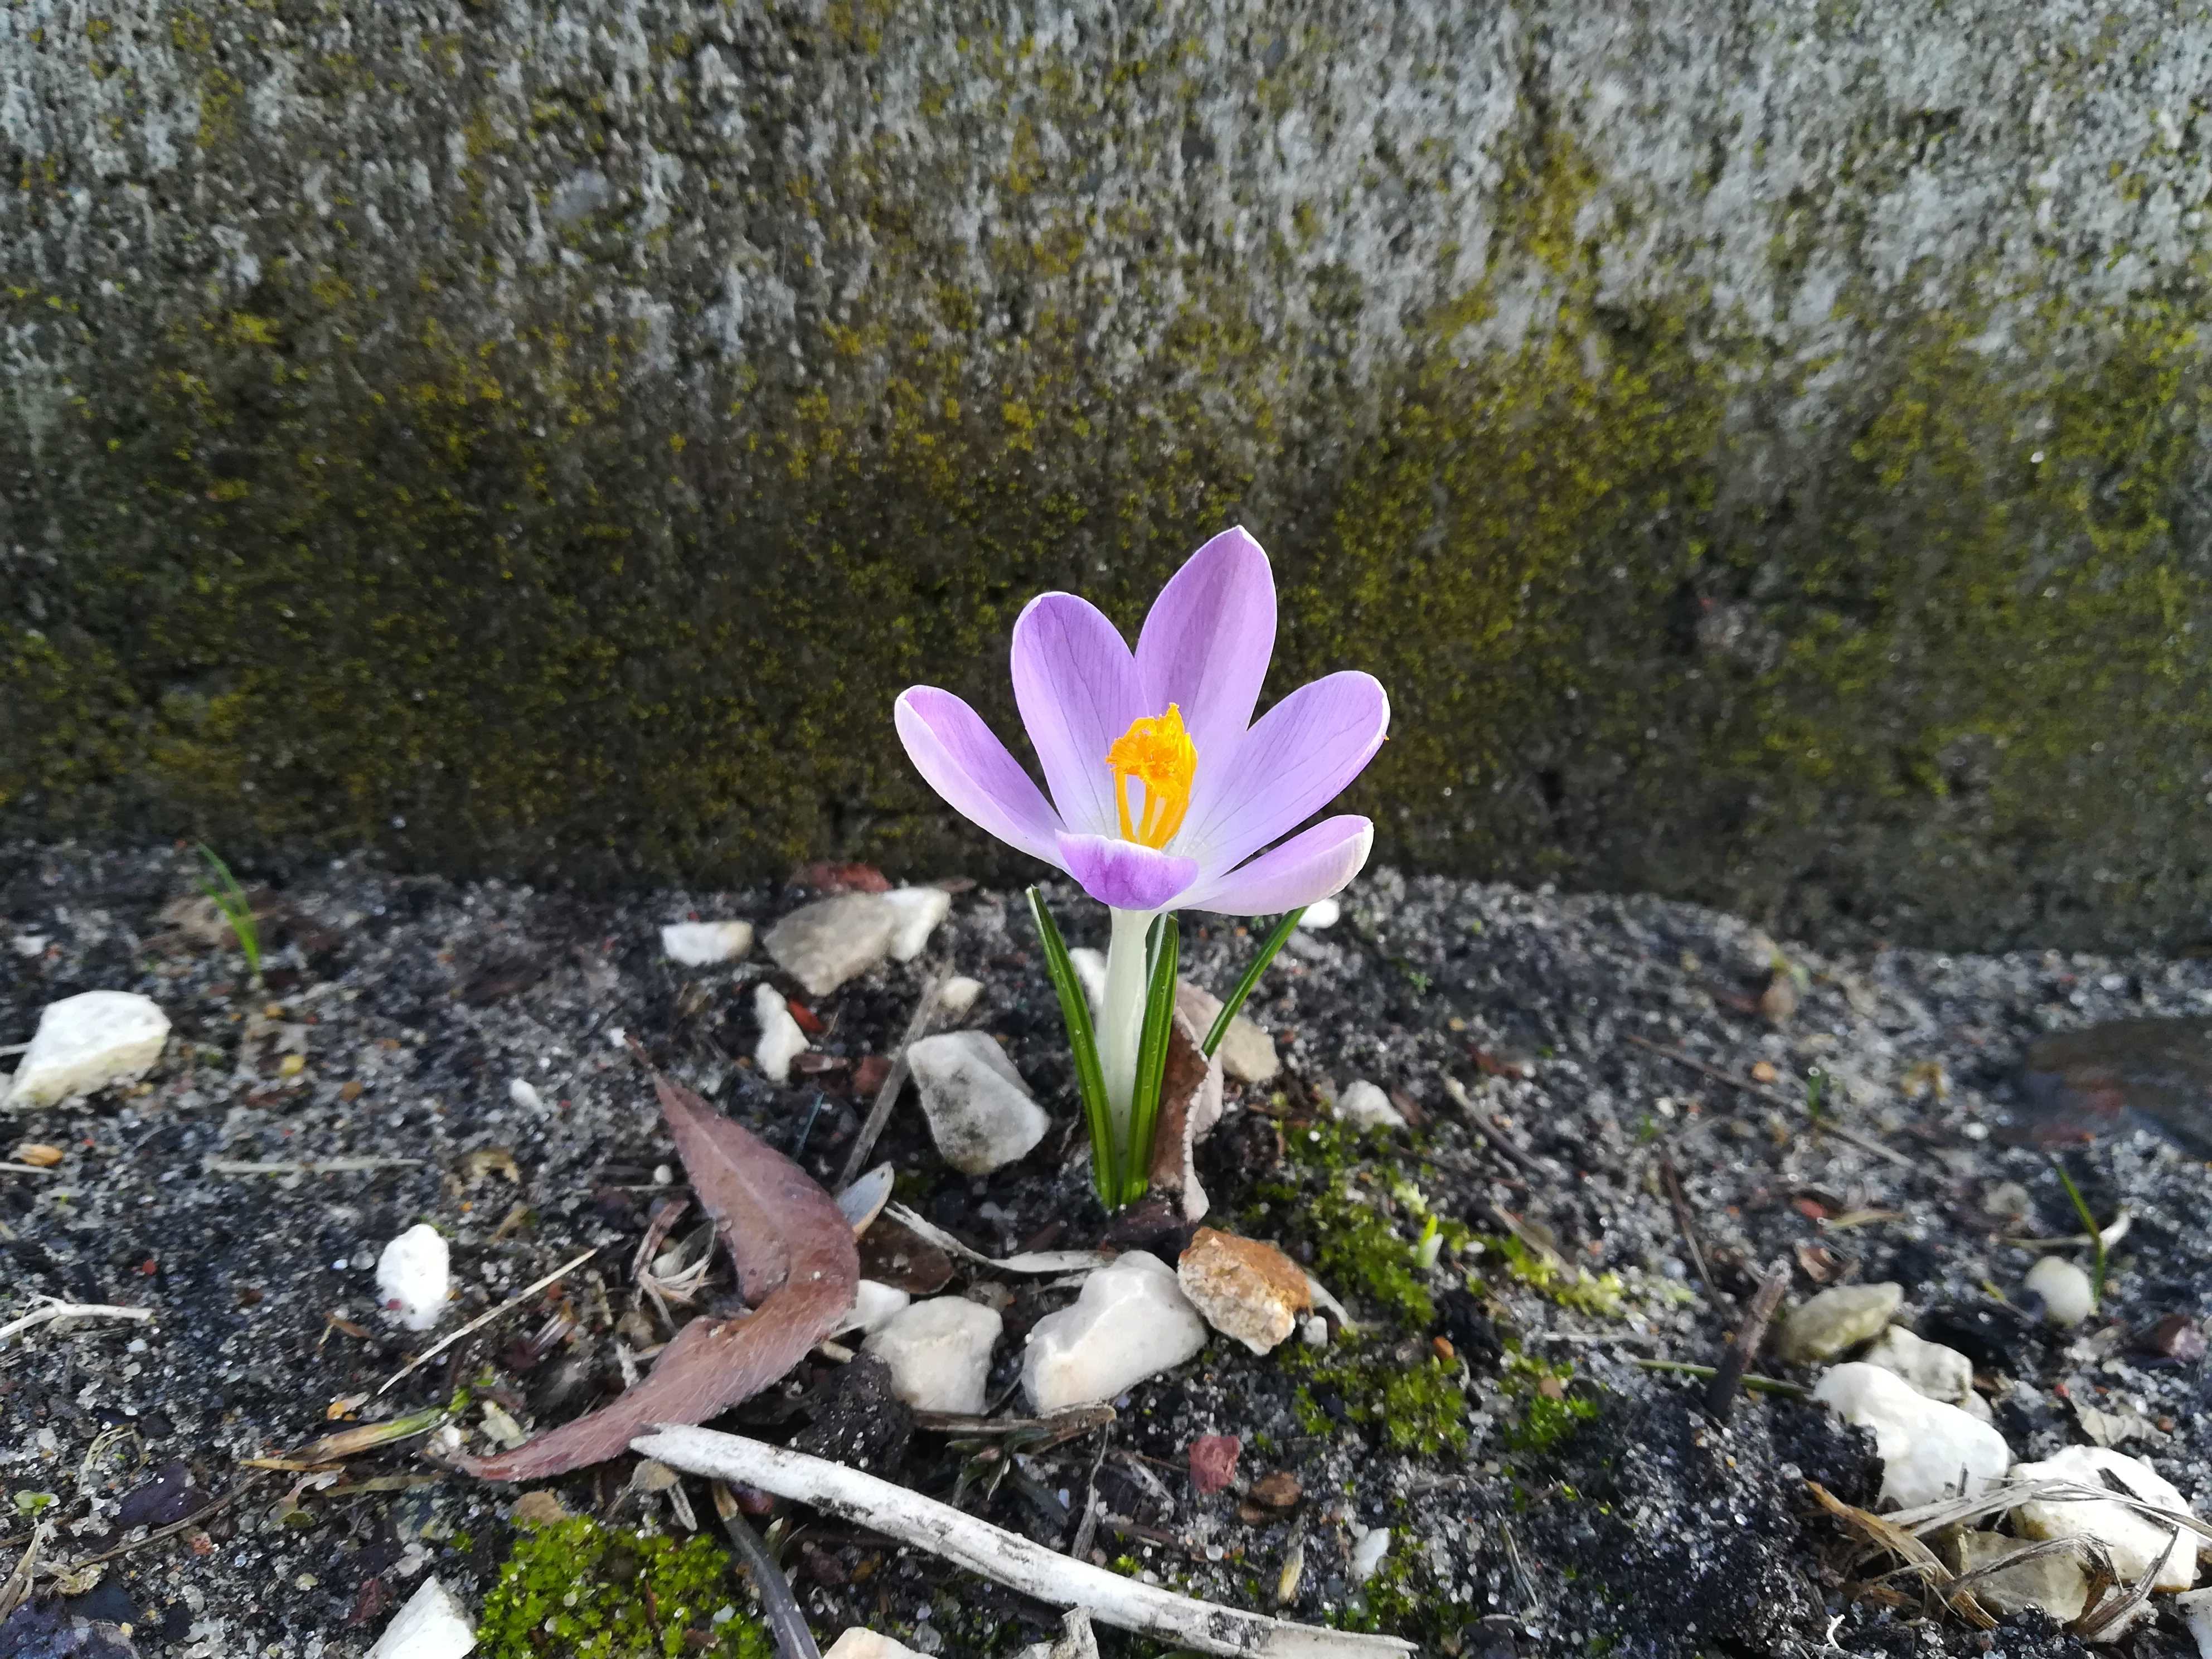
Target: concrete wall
(1761, 446)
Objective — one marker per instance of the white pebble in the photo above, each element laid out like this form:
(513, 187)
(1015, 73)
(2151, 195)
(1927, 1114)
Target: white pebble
(866, 1644)
(414, 1276)
(1322, 913)
(915, 912)
(957, 994)
(1367, 1554)
(1364, 1105)
(2068, 1295)
(1132, 1322)
(940, 1353)
(703, 944)
(1926, 1447)
(1315, 1332)
(523, 1094)
(781, 1041)
(981, 1113)
(432, 1626)
(873, 1302)
(2137, 1542)
(86, 1042)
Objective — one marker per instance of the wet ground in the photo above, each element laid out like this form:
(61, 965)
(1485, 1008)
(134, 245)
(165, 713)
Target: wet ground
(1653, 1129)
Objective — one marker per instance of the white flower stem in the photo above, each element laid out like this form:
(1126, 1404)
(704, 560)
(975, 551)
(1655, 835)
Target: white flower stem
(1122, 1014)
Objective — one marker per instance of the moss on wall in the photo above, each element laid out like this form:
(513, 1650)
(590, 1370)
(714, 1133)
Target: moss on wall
(527, 546)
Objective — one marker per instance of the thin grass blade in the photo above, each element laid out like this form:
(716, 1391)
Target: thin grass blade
(1233, 1004)
(1083, 1043)
(1152, 1057)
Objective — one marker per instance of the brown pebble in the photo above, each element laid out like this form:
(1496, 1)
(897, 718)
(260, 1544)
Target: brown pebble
(1278, 1491)
(1765, 1071)
(350, 1089)
(39, 1155)
(1441, 1347)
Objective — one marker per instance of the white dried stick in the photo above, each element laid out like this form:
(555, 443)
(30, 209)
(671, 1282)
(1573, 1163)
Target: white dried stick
(1005, 1557)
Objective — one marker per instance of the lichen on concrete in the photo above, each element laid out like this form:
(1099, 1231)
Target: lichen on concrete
(534, 438)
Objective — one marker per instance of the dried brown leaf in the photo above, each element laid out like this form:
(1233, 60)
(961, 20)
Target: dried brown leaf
(796, 1263)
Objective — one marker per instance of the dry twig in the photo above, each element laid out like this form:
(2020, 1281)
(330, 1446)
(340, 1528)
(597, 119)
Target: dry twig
(1005, 1557)
(484, 1319)
(57, 1309)
(887, 1097)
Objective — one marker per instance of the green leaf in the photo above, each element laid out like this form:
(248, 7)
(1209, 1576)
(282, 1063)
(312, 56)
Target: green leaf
(1151, 1056)
(1234, 1004)
(1083, 1041)
(229, 898)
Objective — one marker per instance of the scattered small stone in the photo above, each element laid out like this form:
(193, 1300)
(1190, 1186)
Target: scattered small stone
(980, 1113)
(703, 944)
(539, 1509)
(781, 1041)
(1213, 1460)
(1368, 1551)
(520, 1091)
(915, 912)
(2136, 1541)
(1929, 1368)
(1245, 1288)
(940, 1353)
(873, 1304)
(1765, 1071)
(866, 1644)
(1247, 1053)
(826, 943)
(2054, 1583)
(1926, 1447)
(1280, 1490)
(2196, 1610)
(432, 1626)
(957, 995)
(414, 1276)
(1322, 913)
(1837, 1320)
(2068, 1297)
(1132, 1322)
(858, 1419)
(86, 1042)
(38, 1154)
(1364, 1105)
(2177, 1338)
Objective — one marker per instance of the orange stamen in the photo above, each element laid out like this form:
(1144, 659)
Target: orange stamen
(1157, 752)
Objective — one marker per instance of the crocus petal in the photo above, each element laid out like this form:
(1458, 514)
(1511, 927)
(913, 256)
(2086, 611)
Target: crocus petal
(1206, 645)
(1304, 870)
(1124, 874)
(962, 759)
(1296, 760)
(1077, 689)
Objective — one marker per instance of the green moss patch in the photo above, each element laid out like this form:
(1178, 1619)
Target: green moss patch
(578, 1590)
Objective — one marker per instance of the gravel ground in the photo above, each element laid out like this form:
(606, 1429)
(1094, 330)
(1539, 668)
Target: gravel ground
(1544, 1492)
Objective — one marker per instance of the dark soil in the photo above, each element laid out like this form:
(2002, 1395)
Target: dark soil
(1545, 1493)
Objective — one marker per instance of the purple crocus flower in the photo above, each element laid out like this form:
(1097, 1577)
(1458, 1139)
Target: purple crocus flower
(1166, 794)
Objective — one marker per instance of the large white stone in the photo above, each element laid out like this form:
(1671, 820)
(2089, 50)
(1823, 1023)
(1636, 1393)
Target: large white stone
(86, 1042)
(980, 1113)
(414, 1276)
(433, 1625)
(1130, 1322)
(940, 1353)
(703, 944)
(826, 943)
(1247, 1053)
(2196, 1609)
(1926, 1449)
(781, 1041)
(2136, 1541)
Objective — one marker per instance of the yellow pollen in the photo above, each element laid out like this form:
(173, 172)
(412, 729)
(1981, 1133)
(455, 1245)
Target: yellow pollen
(1158, 753)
